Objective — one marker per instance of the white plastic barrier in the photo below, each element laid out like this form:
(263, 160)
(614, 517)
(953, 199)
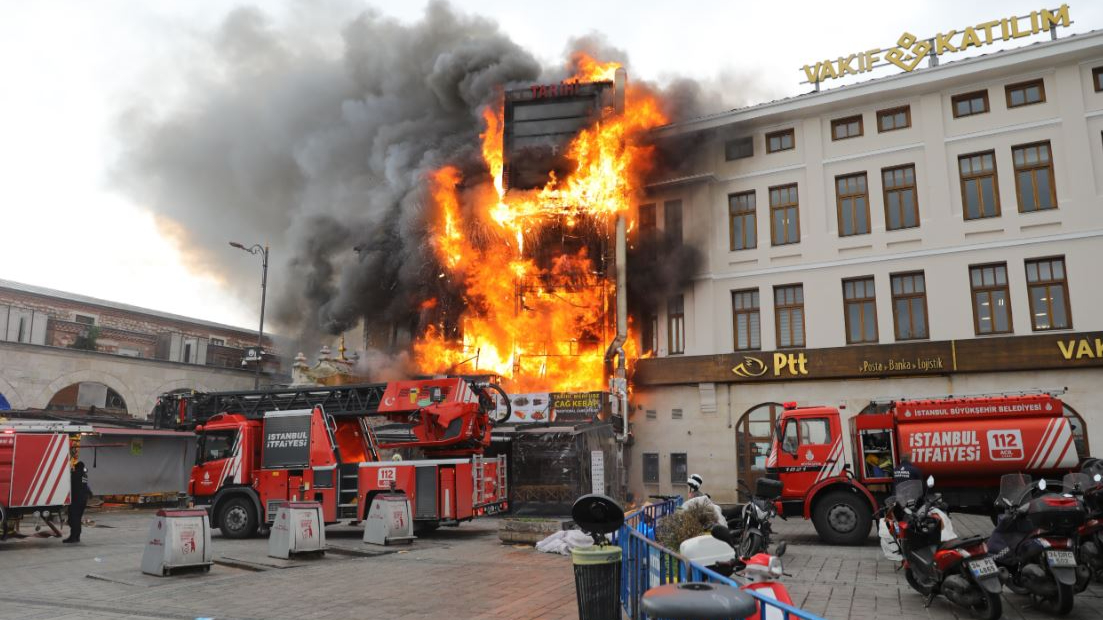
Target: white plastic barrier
(298, 528)
(177, 539)
(389, 520)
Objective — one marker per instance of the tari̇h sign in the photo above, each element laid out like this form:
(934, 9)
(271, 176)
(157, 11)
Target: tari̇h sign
(910, 50)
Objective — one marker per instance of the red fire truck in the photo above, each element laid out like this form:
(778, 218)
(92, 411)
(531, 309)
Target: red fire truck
(34, 471)
(259, 448)
(967, 443)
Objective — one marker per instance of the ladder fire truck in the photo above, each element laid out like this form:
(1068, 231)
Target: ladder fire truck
(34, 470)
(256, 449)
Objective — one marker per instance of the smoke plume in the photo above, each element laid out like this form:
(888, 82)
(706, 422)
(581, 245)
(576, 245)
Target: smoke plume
(321, 143)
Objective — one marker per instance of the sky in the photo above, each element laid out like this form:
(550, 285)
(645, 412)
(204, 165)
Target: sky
(71, 69)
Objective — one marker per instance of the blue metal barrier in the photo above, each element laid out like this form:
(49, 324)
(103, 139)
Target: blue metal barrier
(646, 564)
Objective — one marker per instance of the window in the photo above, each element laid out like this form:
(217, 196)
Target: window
(745, 311)
(861, 310)
(843, 128)
(740, 148)
(743, 221)
(901, 204)
(852, 202)
(675, 414)
(991, 299)
(218, 342)
(970, 103)
(214, 445)
(1034, 177)
(780, 141)
(1049, 293)
(672, 220)
(784, 215)
(649, 337)
(647, 221)
(1025, 93)
(980, 192)
(679, 470)
(650, 468)
(789, 315)
(22, 336)
(676, 325)
(1097, 79)
(909, 305)
(187, 353)
(85, 320)
(800, 432)
(651, 414)
(893, 119)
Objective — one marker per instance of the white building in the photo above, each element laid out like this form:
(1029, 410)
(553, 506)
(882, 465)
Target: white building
(928, 233)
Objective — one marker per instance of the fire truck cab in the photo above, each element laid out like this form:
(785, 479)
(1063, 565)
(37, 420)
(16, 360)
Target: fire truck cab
(967, 443)
(324, 445)
(34, 470)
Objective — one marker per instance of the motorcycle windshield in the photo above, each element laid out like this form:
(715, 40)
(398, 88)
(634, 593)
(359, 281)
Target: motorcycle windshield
(908, 491)
(1013, 489)
(1076, 482)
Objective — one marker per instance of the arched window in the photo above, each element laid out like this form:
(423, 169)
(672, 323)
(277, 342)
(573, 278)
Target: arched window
(753, 435)
(87, 396)
(1079, 437)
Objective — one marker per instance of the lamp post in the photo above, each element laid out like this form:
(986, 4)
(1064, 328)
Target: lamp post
(263, 252)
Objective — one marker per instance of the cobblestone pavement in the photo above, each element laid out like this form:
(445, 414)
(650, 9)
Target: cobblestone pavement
(860, 584)
(454, 573)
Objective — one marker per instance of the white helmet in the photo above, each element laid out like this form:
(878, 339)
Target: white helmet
(695, 482)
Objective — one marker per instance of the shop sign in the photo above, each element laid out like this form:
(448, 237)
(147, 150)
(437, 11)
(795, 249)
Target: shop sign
(910, 50)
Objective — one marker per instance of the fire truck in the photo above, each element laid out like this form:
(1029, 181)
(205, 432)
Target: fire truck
(34, 470)
(257, 449)
(967, 443)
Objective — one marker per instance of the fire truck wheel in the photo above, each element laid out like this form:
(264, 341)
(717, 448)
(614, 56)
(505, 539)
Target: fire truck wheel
(842, 518)
(238, 518)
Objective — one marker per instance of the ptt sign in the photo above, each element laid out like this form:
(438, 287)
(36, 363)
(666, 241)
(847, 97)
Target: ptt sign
(781, 365)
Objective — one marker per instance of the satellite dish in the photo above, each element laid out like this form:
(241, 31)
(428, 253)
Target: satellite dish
(597, 515)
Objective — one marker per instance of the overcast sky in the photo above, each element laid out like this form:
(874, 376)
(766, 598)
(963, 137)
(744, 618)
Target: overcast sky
(70, 68)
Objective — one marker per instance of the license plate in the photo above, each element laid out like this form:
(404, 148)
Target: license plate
(1060, 558)
(983, 568)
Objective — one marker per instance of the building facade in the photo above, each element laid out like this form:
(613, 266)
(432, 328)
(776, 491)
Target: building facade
(928, 233)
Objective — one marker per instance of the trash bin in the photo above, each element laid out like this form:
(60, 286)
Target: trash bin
(597, 582)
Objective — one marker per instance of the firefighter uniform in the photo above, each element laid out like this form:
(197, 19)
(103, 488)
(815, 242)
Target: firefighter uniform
(79, 492)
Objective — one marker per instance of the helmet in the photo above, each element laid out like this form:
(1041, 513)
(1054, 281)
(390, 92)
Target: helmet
(695, 482)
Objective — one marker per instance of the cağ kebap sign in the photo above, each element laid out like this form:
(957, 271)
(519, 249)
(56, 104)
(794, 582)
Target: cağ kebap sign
(910, 50)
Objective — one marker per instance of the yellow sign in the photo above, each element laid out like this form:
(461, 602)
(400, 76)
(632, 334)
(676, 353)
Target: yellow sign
(910, 50)
(784, 364)
(1081, 348)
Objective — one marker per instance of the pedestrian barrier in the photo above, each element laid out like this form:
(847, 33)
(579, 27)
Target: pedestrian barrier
(646, 564)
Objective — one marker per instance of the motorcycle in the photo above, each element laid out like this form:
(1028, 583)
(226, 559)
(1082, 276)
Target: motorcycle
(747, 534)
(1089, 536)
(1034, 542)
(959, 569)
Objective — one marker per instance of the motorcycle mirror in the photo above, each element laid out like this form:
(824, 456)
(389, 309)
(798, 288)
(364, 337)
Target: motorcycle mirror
(720, 532)
(1042, 484)
(930, 481)
(781, 547)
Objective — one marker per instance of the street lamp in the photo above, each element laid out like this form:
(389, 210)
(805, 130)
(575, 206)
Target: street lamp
(263, 252)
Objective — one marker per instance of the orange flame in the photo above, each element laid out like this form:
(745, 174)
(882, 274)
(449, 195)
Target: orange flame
(542, 328)
(590, 70)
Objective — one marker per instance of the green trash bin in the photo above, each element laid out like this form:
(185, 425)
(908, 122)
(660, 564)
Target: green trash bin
(597, 582)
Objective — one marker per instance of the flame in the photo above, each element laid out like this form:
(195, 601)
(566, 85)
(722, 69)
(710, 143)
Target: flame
(590, 70)
(540, 325)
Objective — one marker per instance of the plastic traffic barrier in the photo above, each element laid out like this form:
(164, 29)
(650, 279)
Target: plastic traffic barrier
(177, 539)
(298, 528)
(389, 520)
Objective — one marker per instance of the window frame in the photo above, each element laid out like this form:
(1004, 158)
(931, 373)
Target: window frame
(962, 178)
(649, 333)
(840, 197)
(730, 145)
(781, 134)
(781, 207)
(1041, 83)
(892, 112)
(751, 214)
(749, 312)
(886, 191)
(861, 301)
(1033, 169)
(674, 478)
(1097, 84)
(1062, 282)
(648, 225)
(787, 307)
(673, 318)
(983, 94)
(908, 297)
(658, 469)
(91, 319)
(847, 121)
(974, 289)
(671, 207)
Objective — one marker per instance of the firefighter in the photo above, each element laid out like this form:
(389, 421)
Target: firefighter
(905, 471)
(79, 492)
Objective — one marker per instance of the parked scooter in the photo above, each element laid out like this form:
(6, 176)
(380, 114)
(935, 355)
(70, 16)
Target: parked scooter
(959, 569)
(1034, 542)
(754, 525)
(1089, 490)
